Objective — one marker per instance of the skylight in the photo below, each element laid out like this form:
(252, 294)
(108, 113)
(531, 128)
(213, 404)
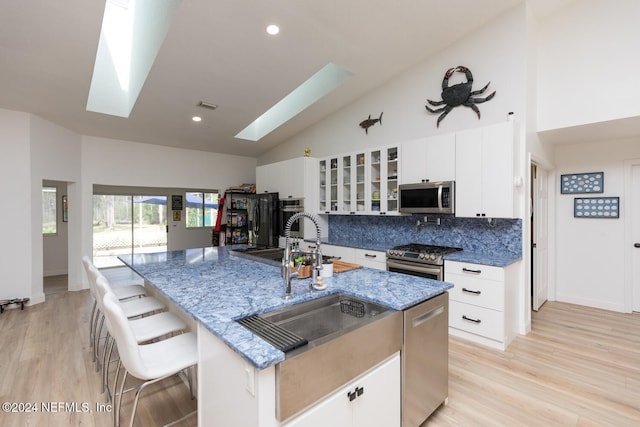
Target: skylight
(320, 84)
(131, 35)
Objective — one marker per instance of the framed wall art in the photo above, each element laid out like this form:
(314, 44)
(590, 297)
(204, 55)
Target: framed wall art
(176, 202)
(596, 207)
(576, 183)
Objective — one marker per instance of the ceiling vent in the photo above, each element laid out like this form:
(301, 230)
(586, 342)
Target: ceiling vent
(208, 105)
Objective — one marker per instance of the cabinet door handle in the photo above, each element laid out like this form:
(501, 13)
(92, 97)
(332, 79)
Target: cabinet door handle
(478, 321)
(359, 391)
(370, 255)
(352, 396)
(636, 245)
(469, 270)
(469, 291)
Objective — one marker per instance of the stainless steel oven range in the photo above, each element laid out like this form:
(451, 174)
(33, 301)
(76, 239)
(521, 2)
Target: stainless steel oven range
(418, 260)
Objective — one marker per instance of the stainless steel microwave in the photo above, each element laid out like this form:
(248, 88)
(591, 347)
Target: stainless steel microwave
(427, 197)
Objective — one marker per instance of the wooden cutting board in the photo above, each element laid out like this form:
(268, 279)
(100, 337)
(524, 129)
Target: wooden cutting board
(341, 266)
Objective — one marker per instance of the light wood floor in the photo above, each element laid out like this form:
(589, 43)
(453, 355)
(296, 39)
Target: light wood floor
(45, 357)
(578, 367)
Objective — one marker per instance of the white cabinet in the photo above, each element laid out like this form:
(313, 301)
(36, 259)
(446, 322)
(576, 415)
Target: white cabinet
(293, 178)
(364, 257)
(371, 400)
(364, 182)
(383, 175)
(484, 172)
(371, 259)
(432, 159)
(483, 302)
(341, 183)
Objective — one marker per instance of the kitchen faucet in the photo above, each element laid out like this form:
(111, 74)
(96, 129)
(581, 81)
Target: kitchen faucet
(285, 269)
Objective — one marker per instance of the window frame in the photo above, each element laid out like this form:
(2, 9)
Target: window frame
(54, 190)
(202, 214)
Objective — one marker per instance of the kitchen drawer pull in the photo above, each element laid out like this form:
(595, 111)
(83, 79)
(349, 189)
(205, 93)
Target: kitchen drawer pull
(478, 321)
(370, 255)
(469, 270)
(469, 291)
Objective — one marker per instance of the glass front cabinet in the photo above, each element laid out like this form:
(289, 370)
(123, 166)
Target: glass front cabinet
(363, 182)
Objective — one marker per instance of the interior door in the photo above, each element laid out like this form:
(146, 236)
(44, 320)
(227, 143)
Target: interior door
(634, 200)
(539, 250)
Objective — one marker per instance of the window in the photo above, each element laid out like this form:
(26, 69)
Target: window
(49, 211)
(201, 209)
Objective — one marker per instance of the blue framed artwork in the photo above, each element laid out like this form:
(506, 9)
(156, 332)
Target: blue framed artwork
(576, 183)
(596, 207)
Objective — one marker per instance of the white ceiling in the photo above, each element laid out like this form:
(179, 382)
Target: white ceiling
(218, 51)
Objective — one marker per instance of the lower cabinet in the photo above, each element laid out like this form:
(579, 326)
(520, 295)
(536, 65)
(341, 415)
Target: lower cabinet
(371, 400)
(483, 302)
(371, 259)
(364, 257)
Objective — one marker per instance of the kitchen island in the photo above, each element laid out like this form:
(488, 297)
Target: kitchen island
(216, 287)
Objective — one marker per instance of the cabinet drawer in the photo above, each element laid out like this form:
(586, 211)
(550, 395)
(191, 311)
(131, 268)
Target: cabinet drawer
(488, 272)
(470, 290)
(372, 259)
(477, 320)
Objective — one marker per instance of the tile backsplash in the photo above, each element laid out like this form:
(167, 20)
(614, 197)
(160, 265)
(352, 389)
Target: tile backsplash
(497, 236)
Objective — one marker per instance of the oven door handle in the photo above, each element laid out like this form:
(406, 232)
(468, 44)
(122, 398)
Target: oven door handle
(422, 268)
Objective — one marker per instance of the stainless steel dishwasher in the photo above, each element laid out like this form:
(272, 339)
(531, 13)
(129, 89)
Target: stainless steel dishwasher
(425, 359)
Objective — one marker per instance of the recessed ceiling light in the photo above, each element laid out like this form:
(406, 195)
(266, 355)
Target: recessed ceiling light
(196, 118)
(273, 29)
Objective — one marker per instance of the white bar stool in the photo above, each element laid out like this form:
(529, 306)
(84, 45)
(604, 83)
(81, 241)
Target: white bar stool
(148, 362)
(144, 329)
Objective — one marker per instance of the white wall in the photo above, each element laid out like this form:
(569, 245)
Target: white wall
(590, 252)
(35, 150)
(495, 53)
(55, 155)
(588, 65)
(15, 203)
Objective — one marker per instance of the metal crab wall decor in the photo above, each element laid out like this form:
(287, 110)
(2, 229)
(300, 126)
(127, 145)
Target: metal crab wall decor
(458, 94)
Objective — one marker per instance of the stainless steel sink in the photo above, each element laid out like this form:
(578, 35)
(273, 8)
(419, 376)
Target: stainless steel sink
(325, 318)
(342, 337)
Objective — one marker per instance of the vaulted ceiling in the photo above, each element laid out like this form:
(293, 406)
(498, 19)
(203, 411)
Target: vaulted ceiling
(218, 51)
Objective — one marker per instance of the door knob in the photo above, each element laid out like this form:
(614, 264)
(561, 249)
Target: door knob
(636, 245)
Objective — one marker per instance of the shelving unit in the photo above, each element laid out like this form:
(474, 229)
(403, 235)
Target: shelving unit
(237, 218)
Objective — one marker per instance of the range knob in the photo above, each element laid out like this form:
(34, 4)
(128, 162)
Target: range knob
(422, 255)
(432, 257)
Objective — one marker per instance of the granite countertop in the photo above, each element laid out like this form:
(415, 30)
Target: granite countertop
(216, 286)
(497, 260)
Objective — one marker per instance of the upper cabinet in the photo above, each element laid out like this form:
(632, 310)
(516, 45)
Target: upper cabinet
(364, 182)
(429, 159)
(293, 178)
(484, 172)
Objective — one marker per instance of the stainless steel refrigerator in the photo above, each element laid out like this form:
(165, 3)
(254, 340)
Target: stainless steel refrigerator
(262, 210)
